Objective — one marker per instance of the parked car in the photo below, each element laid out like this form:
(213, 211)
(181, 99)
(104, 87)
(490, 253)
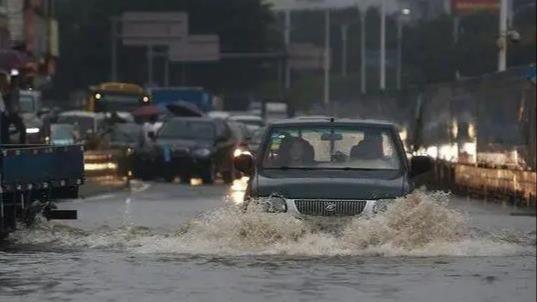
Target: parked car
(62, 135)
(241, 136)
(255, 140)
(253, 122)
(126, 142)
(88, 125)
(193, 147)
(329, 167)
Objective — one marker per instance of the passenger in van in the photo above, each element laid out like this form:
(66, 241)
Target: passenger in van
(370, 148)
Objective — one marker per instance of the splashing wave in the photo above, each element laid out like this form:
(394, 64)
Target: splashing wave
(418, 225)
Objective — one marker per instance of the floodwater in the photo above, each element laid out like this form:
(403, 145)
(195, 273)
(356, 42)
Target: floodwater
(161, 242)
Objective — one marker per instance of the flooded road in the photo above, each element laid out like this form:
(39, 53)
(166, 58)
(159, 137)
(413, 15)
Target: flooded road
(163, 242)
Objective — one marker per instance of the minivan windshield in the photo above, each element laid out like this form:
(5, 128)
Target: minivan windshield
(336, 148)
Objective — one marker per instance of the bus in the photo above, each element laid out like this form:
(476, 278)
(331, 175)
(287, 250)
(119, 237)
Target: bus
(116, 97)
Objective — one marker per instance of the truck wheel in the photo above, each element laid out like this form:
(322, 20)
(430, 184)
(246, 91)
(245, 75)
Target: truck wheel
(169, 177)
(185, 179)
(208, 176)
(229, 177)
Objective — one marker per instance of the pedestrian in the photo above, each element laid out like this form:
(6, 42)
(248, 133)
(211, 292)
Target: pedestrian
(151, 128)
(11, 110)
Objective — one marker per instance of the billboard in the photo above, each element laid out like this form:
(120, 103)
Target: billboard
(462, 7)
(312, 4)
(196, 48)
(149, 28)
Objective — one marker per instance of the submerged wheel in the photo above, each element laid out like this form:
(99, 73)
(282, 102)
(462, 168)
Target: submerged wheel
(185, 179)
(208, 176)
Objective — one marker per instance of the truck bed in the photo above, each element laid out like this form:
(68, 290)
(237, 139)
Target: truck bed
(36, 166)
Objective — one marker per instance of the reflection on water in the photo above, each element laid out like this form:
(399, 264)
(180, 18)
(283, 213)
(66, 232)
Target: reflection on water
(238, 190)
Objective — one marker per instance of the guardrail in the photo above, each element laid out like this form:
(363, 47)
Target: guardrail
(516, 186)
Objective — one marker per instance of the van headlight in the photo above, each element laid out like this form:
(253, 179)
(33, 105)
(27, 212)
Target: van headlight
(274, 204)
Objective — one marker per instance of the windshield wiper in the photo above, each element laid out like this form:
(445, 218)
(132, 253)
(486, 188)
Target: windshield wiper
(285, 168)
(361, 169)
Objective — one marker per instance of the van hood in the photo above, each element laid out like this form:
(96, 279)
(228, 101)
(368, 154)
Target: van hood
(347, 188)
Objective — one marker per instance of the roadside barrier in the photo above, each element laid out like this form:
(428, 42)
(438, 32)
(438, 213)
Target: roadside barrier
(516, 186)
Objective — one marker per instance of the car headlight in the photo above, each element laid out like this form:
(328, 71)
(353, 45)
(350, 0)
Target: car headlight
(381, 206)
(203, 152)
(32, 130)
(274, 204)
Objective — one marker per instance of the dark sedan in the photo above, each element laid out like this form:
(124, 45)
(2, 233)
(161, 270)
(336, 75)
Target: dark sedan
(194, 147)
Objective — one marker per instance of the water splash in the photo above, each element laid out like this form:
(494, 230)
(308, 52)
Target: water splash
(418, 225)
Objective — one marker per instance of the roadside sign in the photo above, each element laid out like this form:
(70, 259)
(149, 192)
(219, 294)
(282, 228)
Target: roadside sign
(305, 56)
(149, 28)
(463, 7)
(196, 48)
(283, 5)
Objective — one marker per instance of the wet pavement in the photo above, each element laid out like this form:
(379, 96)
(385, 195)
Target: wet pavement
(162, 242)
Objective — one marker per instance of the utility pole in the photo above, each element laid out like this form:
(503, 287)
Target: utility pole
(400, 23)
(166, 71)
(327, 59)
(113, 42)
(399, 51)
(383, 46)
(363, 63)
(149, 65)
(502, 42)
(344, 39)
(287, 43)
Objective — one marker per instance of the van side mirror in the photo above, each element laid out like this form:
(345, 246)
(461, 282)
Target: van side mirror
(420, 165)
(244, 163)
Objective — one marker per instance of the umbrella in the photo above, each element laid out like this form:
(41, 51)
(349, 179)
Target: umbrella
(12, 59)
(146, 111)
(185, 109)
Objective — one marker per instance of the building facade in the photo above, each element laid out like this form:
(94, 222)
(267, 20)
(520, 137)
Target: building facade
(31, 44)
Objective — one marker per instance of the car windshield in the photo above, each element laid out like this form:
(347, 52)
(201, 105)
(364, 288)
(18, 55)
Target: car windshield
(59, 132)
(27, 104)
(81, 123)
(338, 148)
(188, 129)
(127, 133)
(119, 102)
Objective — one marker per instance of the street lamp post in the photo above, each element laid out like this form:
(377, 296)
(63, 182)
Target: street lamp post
(344, 36)
(383, 45)
(400, 22)
(287, 42)
(363, 82)
(327, 59)
(113, 42)
(502, 42)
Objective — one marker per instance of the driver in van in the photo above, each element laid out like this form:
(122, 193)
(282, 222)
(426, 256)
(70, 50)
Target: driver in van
(295, 152)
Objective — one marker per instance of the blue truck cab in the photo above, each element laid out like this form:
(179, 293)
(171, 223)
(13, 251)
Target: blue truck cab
(198, 96)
